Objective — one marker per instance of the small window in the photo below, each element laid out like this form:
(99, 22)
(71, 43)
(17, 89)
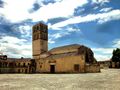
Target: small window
(44, 29)
(37, 27)
(34, 29)
(76, 67)
(41, 27)
(40, 66)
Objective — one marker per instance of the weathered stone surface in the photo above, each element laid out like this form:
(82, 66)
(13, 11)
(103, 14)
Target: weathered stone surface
(108, 79)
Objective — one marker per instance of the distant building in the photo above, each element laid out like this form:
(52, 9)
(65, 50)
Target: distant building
(13, 65)
(66, 59)
(115, 64)
(104, 64)
(109, 64)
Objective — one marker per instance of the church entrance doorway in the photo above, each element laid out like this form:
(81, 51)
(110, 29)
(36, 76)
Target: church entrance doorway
(52, 68)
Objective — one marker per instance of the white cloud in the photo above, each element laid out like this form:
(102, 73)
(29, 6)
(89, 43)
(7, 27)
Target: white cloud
(101, 17)
(51, 27)
(106, 53)
(15, 47)
(103, 50)
(64, 8)
(16, 10)
(12, 40)
(102, 54)
(102, 2)
(105, 9)
(50, 41)
(95, 7)
(100, 57)
(67, 29)
(25, 30)
(58, 0)
(70, 29)
(116, 43)
(58, 35)
(53, 37)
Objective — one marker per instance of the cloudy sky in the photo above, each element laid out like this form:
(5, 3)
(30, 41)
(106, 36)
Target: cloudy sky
(93, 23)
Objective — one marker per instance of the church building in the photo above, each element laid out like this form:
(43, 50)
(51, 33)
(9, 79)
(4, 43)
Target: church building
(73, 58)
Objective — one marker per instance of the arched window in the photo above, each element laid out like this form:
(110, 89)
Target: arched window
(37, 27)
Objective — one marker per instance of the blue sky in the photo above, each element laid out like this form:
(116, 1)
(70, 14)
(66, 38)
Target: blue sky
(93, 23)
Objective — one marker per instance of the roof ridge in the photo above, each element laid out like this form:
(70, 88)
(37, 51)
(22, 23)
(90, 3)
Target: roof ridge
(66, 46)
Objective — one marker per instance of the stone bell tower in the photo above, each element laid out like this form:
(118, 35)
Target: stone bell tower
(39, 39)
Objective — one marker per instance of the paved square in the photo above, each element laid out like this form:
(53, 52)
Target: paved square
(108, 79)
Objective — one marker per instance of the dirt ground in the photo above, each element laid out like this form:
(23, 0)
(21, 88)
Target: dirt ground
(108, 79)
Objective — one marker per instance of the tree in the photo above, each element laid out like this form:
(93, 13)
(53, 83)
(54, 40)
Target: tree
(116, 55)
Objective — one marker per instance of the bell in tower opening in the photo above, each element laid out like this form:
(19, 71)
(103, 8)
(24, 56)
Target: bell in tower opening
(39, 39)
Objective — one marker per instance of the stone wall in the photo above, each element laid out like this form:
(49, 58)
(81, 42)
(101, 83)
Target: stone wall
(16, 66)
(62, 65)
(92, 68)
(104, 64)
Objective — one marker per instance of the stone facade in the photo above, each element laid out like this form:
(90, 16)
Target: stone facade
(109, 64)
(66, 59)
(61, 65)
(39, 40)
(12, 65)
(92, 68)
(115, 64)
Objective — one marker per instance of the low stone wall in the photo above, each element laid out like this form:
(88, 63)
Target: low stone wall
(104, 64)
(92, 68)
